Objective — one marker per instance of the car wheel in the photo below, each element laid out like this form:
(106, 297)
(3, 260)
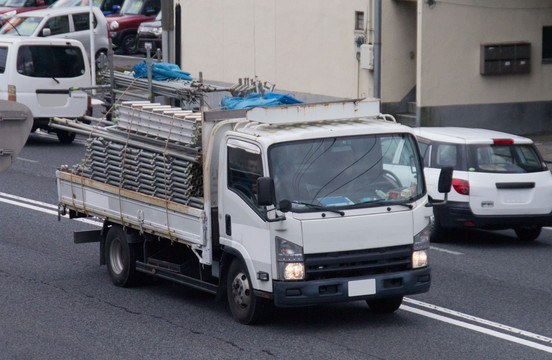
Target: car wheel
(438, 233)
(246, 308)
(385, 306)
(129, 44)
(120, 257)
(65, 137)
(528, 233)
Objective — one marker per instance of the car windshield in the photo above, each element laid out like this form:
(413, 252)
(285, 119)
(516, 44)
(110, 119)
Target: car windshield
(3, 2)
(67, 3)
(22, 26)
(132, 7)
(504, 158)
(15, 3)
(347, 172)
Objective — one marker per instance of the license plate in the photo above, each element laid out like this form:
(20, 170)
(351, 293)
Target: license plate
(362, 287)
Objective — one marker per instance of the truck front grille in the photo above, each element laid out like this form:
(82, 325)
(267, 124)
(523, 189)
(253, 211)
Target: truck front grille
(358, 263)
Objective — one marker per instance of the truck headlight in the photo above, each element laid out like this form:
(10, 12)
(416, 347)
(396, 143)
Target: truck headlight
(419, 259)
(421, 245)
(289, 257)
(114, 26)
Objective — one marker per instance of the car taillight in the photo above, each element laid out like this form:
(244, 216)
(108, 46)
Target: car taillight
(503, 141)
(89, 103)
(462, 187)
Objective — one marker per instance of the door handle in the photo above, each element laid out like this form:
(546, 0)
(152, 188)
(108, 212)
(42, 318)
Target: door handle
(228, 224)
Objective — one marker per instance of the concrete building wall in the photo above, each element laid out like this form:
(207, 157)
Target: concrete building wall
(452, 32)
(305, 46)
(450, 88)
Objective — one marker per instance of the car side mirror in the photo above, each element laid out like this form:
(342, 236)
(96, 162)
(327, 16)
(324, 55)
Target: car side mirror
(46, 32)
(445, 180)
(265, 191)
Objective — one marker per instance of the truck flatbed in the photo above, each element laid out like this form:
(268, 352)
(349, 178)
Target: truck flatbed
(150, 214)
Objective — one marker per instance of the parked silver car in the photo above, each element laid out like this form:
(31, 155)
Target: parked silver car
(68, 23)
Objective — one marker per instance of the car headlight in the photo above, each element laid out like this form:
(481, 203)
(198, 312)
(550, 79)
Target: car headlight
(289, 257)
(157, 31)
(114, 25)
(421, 245)
(8, 14)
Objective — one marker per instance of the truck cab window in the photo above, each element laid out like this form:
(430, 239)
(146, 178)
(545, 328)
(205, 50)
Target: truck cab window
(244, 167)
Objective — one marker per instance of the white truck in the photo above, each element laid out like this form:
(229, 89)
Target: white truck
(295, 205)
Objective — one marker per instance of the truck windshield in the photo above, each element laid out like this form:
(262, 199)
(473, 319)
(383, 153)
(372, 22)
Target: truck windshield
(347, 172)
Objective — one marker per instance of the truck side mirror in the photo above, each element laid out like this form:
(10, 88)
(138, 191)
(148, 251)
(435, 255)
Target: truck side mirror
(265, 191)
(445, 180)
(46, 32)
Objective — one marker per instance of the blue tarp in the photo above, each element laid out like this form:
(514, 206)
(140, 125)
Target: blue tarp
(256, 99)
(160, 71)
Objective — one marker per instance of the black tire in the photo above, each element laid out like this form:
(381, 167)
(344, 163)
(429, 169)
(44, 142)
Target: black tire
(120, 258)
(129, 44)
(65, 137)
(246, 308)
(528, 233)
(385, 306)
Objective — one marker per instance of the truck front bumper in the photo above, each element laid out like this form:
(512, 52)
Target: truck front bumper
(303, 293)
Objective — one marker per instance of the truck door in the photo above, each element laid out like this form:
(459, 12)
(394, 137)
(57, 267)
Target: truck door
(242, 222)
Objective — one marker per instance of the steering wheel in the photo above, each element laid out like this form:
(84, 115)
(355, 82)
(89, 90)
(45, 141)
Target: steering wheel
(391, 178)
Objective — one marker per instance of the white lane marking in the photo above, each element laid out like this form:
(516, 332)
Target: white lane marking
(30, 201)
(446, 251)
(480, 320)
(44, 208)
(478, 328)
(27, 160)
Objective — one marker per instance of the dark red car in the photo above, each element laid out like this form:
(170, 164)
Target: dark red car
(9, 8)
(124, 26)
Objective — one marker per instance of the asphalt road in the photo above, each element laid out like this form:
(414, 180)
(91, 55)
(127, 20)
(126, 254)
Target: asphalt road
(491, 296)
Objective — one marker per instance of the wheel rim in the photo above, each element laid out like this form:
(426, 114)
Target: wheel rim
(240, 290)
(130, 44)
(116, 256)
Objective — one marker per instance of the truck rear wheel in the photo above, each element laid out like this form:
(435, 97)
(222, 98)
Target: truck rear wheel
(120, 257)
(385, 306)
(246, 308)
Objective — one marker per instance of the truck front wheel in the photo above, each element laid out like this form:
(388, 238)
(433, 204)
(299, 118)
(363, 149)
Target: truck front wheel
(246, 308)
(385, 306)
(120, 257)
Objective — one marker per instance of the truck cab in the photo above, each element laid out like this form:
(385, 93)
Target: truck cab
(319, 211)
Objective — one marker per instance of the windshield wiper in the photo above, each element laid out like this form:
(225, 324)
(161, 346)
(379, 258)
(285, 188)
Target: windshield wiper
(56, 80)
(382, 203)
(319, 207)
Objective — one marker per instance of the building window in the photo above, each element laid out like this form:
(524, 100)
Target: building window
(547, 45)
(359, 20)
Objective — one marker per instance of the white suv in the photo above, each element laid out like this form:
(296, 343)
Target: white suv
(500, 180)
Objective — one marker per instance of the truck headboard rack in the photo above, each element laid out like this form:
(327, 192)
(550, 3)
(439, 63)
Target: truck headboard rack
(350, 109)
